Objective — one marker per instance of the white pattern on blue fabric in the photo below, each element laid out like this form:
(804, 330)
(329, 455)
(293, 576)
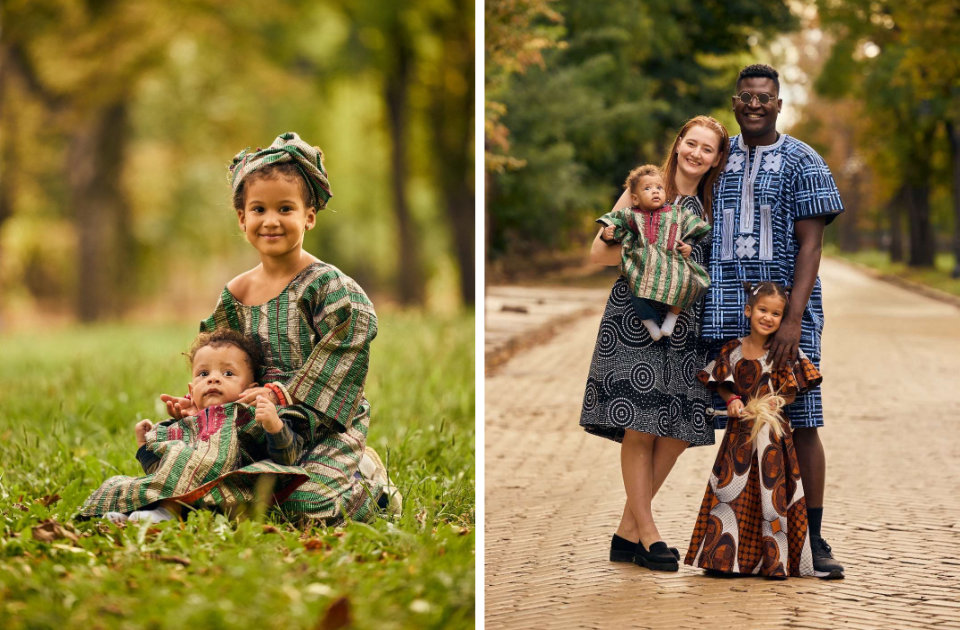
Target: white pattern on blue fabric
(734, 164)
(746, 247)
(772, 162)
(726, 234)
(766, 233)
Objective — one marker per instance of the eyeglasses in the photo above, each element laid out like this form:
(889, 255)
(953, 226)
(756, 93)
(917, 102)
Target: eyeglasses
(746, 97)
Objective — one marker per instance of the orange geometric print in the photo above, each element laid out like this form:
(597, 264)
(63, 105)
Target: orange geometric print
(755, 551)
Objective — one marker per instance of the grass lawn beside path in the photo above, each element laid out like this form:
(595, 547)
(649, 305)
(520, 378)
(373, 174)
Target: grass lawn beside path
(937, 277)
(68, 403)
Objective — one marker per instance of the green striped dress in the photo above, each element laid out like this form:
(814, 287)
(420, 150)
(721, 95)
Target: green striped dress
(653, 267)
(315, 338)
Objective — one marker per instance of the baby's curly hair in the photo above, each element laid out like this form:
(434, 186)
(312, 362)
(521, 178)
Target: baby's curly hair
(633, 179)
(229, 337)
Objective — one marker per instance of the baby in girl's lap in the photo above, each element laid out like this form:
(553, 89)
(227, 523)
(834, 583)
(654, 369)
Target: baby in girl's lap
(224, 364)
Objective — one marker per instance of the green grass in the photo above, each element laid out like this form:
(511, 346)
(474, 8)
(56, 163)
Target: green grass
(937, 277)
(68, 403)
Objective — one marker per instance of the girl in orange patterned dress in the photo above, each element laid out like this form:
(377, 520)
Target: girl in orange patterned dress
(753, 519)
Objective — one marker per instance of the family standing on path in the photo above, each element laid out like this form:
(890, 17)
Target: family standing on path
(754, 337)
(312, 326)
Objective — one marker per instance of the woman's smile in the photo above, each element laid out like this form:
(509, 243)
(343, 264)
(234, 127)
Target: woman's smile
(698, 151)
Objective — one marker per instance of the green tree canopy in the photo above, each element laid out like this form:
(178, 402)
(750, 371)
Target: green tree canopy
(610, 97)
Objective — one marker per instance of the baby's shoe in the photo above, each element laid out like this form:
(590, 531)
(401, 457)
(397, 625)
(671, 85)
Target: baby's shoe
(375, 474)
(116, 517)
(669, 321)
(653, 328)
(156, 515)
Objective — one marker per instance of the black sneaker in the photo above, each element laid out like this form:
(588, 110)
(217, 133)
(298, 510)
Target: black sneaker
(824, 566)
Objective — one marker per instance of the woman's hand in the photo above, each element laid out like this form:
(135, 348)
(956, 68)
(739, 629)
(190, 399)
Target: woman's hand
(735, 408)
(141, 429)
(267, 416)
(684, 249)
(249, 396)
(178, 407)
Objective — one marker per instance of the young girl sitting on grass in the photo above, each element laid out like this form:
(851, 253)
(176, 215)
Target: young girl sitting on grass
(655, 259)
(314, 325)
(753, 519)
(224, 447)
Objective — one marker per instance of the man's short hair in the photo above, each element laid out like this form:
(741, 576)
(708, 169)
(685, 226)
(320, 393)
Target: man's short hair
(760, 70)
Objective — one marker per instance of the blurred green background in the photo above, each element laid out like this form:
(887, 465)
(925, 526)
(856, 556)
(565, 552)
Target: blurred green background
(578, 93)
(119, 120)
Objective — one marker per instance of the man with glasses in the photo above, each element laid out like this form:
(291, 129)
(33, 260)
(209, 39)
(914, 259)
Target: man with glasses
(770, 207)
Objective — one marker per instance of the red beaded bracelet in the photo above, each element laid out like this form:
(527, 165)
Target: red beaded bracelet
(281, 398)
(733, 398)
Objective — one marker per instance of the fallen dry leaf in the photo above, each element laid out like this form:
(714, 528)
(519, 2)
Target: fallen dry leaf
(315, 544)
(338, 615)
(113, 609)
(50, 530)
(175, 559)
(48, 499)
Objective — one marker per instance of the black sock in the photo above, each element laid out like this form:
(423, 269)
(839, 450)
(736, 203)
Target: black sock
(622, 544)
(814, 518)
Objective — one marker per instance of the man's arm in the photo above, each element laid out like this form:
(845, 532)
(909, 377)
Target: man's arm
(786, 341)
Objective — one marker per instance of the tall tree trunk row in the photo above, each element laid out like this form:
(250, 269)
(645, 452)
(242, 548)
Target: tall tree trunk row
(410, 280)
(953, 136)
(104, 237)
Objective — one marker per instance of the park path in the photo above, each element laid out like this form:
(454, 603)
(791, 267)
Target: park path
(553, 493)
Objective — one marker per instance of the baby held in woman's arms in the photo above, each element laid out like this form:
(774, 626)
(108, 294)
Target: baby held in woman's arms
(655, 259)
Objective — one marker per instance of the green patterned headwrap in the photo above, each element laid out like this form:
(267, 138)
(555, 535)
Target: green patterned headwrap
(288, 147)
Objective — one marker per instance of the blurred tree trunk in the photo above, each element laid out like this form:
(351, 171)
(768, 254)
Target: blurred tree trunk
(396, 81)
(895, 213)
(7, 148)
(848, 237)
(104, 239)
(451, 120)
(953, 136)
(922, 248)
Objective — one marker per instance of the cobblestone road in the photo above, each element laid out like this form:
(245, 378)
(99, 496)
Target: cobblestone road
(892, 513)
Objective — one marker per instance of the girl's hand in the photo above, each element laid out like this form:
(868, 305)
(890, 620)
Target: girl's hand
(249, 396)
(735, 408)
(179, 407)
(684, 249)
(141, 429)
(267, 415)
(608, 232)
